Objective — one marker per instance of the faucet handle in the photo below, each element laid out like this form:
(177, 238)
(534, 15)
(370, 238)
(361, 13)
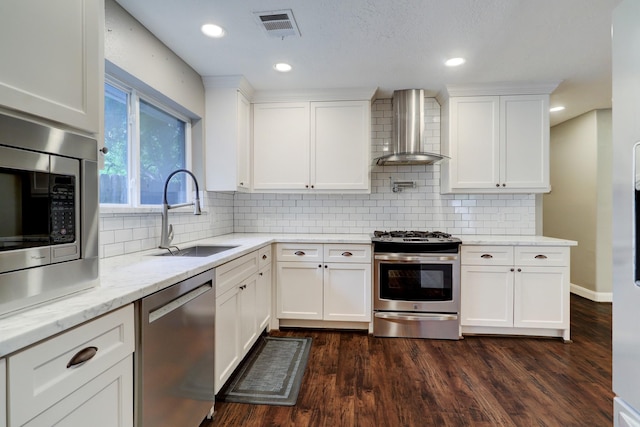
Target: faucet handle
(170, 234)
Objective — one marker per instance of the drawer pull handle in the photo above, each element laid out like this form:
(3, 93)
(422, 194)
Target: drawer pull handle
(347, 254)
(540, 257)
(264, 257)
(486, 256)
(82, 356)
(299, 253)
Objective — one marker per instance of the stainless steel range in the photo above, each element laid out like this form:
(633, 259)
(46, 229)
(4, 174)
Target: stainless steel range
(416, 284)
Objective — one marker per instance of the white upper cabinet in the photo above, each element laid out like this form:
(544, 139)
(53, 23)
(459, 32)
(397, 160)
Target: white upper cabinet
(53, 60)
(228, 133)
(320, 145)
(340, 140)
(497, 143)
(281, 146)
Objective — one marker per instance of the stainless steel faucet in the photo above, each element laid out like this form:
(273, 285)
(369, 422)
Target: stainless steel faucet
(167, 229)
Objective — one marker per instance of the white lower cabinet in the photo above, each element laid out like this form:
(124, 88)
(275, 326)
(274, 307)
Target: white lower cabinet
(521, 290)
(227, 339)
(324, 282)
(242, 310)
(264, 288)
(299, 290)
(83, 376)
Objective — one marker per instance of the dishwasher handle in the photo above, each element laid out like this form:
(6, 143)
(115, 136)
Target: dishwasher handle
(179, 302)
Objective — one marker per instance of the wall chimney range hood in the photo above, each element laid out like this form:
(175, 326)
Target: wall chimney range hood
(408, 127)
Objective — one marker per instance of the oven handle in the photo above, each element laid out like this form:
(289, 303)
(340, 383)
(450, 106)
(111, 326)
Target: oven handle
(416, 316)
(414, 258)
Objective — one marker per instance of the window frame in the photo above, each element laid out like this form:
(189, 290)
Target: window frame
(133, 146)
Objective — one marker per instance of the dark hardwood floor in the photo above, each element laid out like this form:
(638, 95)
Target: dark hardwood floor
(353, 379)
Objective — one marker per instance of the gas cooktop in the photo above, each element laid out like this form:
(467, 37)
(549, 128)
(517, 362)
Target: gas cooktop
(413, 236)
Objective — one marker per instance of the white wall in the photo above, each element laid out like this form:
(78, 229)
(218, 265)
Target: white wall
(579, 205)
(421, 208)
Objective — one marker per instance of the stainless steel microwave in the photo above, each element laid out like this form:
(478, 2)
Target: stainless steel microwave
(48, 213)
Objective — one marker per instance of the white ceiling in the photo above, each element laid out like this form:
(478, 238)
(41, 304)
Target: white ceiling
(399, 44)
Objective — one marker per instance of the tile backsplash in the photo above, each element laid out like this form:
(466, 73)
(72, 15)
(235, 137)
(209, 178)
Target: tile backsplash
(421, 208)
(123, 233)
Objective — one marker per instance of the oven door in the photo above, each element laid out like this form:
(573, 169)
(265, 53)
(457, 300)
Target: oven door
(417, 283)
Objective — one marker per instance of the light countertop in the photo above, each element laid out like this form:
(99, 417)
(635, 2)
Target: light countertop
(128, 278)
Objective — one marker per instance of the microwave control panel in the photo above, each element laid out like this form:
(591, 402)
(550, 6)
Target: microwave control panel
(63, 209)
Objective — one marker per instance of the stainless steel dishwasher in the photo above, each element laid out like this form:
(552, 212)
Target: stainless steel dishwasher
(174, 383)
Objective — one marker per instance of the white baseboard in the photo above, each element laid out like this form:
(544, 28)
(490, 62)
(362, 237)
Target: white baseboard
(592, 295)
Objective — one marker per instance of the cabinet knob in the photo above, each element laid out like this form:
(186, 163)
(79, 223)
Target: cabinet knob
(104, 150)
(326, 266)
(512, 269)
(504, 185)
(486, 256)
(319, 265)
(306, 186)
(540, 256)
(299, 253)
(242, 183)
(519, 270)
(260, 274)
(347, 254)
(497, 185)
(82, 356)
(312, 186)
(243, 287)
(264, 257)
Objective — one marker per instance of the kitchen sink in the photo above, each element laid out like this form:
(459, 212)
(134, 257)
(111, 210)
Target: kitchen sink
(197, 251)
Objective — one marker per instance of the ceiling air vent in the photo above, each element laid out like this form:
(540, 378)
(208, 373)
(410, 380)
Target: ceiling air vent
(278, 23)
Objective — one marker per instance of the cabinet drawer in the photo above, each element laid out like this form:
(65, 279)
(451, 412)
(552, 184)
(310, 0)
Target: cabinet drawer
(299, 252)
(264, 257)
(542, 255)
(233, 272)
(41, 375)
(486, 255)
(347, 253)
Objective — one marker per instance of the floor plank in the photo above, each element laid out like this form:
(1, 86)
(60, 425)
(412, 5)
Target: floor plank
(353, 379)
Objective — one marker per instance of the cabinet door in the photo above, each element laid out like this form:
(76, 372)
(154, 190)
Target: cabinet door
(299, 293)
(227, 347)
(106, 401)
(475, 142)
(541, 297)
(347, 292)
(486, 296)
(248, 326)
(52, 60)
(263, 298)
(524, 141)
(243, 142)
(340, 145)
(281, 146)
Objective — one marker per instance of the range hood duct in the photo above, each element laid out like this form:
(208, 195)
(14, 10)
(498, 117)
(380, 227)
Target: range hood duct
(408, 128)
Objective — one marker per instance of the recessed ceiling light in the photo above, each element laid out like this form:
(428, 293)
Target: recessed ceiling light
(283, 67)
(454, 62)
(554, 109)
(212, 30)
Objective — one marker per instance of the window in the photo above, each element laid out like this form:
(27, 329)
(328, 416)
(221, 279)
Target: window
(146, 142)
